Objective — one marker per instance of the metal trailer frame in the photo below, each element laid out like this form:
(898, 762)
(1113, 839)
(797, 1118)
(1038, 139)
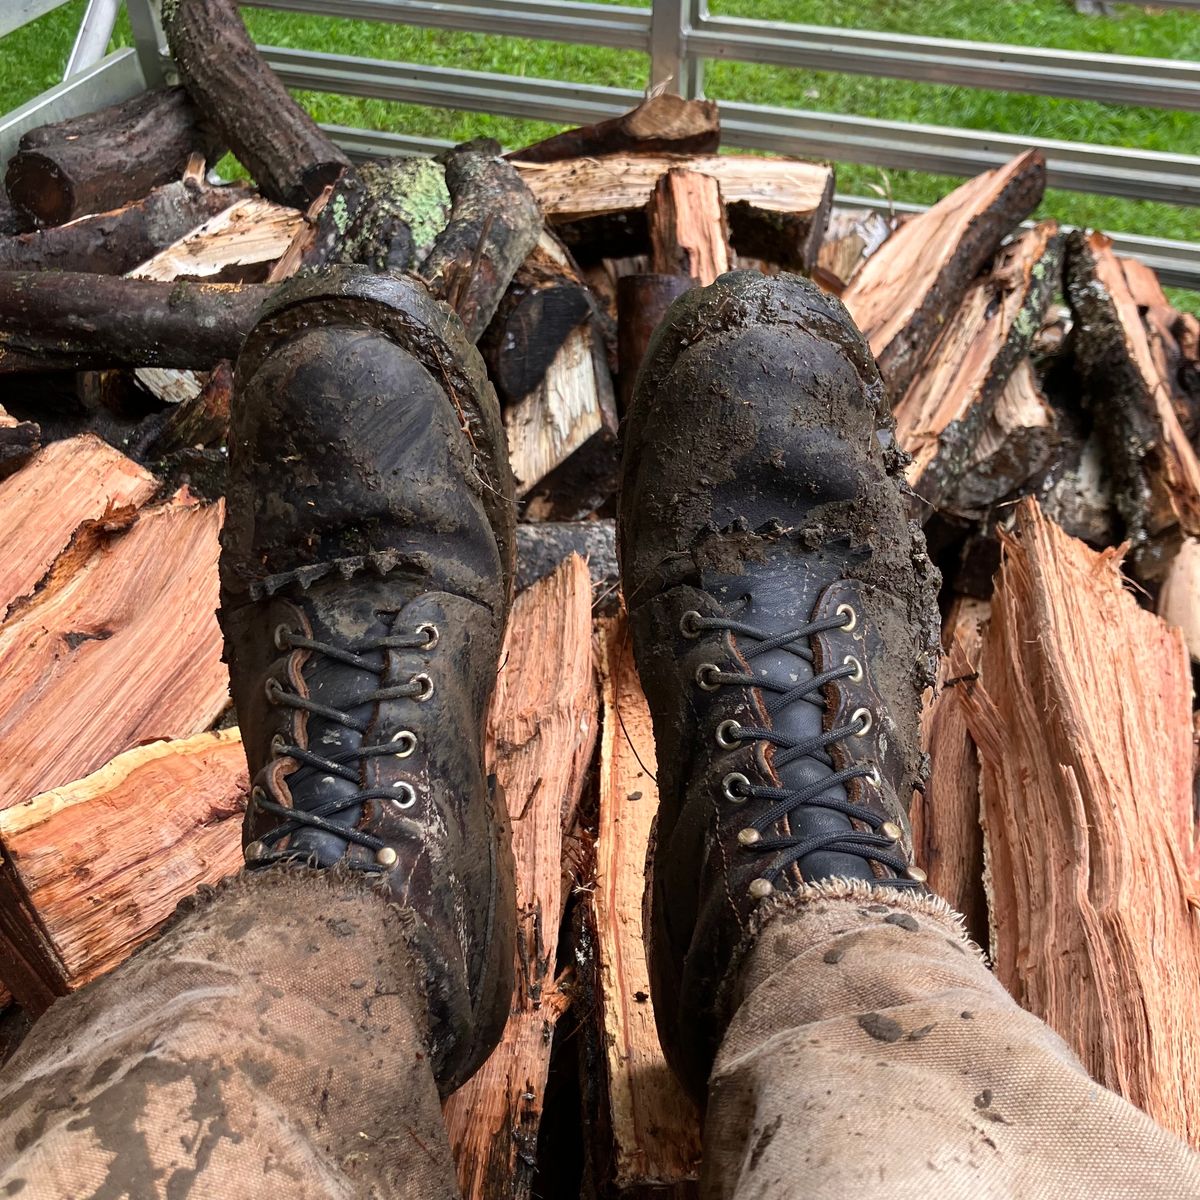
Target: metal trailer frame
(679, 36)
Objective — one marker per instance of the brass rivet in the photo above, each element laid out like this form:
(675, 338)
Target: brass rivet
(891, 831)
(407, 792)
(386, 857)
(917, 875)
(847, 611)
(257, 794)
(433, 635)
(272, 689)
(760, 889)
(407, 742)
(749, 836)
(278, 745)
(426, 687)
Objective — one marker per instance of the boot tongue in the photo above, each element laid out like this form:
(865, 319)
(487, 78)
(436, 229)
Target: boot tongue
(776, 594)
(345, 614)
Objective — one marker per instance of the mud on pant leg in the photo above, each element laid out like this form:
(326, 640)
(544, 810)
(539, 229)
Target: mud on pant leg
(873, 1055)
(269, 1043)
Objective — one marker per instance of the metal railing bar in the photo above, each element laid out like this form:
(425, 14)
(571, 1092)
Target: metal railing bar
(549, 20)
(20, 12)
(1108, 78)
(95, 31)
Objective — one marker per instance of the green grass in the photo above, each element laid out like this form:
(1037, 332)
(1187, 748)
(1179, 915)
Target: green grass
(32, 59)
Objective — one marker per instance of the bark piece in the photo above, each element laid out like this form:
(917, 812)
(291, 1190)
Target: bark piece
(1179, 599)
(664, 124)
(118, 645)
(688, 233)
(71, 321)
(87, 875)
(542, 546)
(100, 161)
(908, 288)
(200, 420)
(1084, 726)
(1079, 495)
(289, 158)
(947, 836)
(851, 237)
(1019, 441)
(19, 442)
(543, 728)
(655, 1126)
(598, 204)
(64, 486)
(1157, 471)
(545, 302)
(114, 242)
(642, 303)
(494, 224)
(943, 414)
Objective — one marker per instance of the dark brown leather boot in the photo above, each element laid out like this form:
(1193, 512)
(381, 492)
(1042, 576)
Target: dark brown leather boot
(784, 624)
(365, 582)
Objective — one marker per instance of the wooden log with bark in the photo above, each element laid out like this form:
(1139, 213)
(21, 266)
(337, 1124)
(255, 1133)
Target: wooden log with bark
(663, 124)
(19, 442)
(1083, 720)
(113, 243)
(908, 289)
(642, 302)
(106, 159)
(598, 204)
(542, 733)
(542, 546)
(289, 158)
(1155, 467)
(654, 1126)
(73, 321)
(942, 415)
(852, 236)
(85, 878)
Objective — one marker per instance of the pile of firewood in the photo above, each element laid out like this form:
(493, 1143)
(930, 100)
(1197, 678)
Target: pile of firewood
(1047, 392)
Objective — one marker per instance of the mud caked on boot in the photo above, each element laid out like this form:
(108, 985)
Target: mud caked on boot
(784, 626)
(366, 572)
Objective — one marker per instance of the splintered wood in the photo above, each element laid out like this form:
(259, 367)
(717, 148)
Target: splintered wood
(543, 729)
(1083, 722)
(688, 231)
(91, 869)
(655, 1126)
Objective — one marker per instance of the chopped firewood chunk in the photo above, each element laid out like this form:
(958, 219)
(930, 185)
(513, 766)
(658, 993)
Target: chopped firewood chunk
(688, 232)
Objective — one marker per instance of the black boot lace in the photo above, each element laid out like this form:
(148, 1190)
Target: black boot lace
(346, 764)
(880, 844)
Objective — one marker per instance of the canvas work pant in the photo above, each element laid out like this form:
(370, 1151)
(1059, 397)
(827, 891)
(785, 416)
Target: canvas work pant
(269, 1043)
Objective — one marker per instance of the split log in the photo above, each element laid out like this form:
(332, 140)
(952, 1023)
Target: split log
(19, 442)
(289, 158)
(68, 321)
(86, 672)
(851, 237)
(1179, 598)
(947, 836)
(545, 302)
(572, 408)
(85, 877)
(654, 1125)
(1019, 441)
(1079, 495)
(543, 728)
(943, 414)
(1156, 470)
(200, 420)
(100, 161)
(65, 486)
(542, 546)
(494, 224)
(112, 243)
(597, 205)
(664, 124)
(1083, 721)
(642, 303)
(688, 232)
(910, 286)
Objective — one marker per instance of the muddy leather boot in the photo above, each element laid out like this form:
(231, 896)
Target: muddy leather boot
(366, 570)
(784, 624)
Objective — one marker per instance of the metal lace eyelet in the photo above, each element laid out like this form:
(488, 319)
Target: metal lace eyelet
(257, 794)
(891, 831)
(426, 687)
(407, 792)
(254, 852)
(847, 611)
(727, 787)
(386, 857)
(689, 624)
(749, 836)
(727, 735)
(863, 719)
(760, 889)
(704, 674)
(851, 661)
(407, 740)
(917, 875)
(282, 637)
(432, 635)
(272, 689)
(279, 745)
